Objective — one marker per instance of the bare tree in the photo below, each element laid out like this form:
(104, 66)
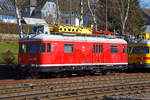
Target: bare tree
(49, 19)
(19, 3)
(92, 14)
(81, 13)
(18, 6)
(124, 13)
(58, 12)
(18, 19)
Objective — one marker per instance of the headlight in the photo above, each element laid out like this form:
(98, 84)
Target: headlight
(20, 59)
(35, 59)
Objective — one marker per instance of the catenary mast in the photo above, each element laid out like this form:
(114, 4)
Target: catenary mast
(81, 13)
(58, 12)
(18, 20)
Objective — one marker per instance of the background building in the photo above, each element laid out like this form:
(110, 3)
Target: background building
(7, 11)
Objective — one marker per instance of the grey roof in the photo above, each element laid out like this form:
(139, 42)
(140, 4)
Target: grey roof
(34, 21)
(41, 37)
(37, 11)
(7, 8)
(146, 14)
(6, 12)
(6, 5)
(140, 41)
(147, 30)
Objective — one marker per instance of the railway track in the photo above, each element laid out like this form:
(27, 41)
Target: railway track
(78, 89)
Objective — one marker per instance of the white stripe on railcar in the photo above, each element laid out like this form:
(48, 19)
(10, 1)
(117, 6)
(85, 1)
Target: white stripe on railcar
(45, 65)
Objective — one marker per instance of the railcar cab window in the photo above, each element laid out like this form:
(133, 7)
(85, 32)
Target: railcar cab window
(36, 47)
(33, 47)
(114, 49)
(68, 48)
(139, 50)
(22, 48)
(42, 47)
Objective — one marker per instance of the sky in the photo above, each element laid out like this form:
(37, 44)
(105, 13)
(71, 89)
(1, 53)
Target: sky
(145, 3)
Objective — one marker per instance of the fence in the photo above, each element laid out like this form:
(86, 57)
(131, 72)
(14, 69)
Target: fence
(11, 28)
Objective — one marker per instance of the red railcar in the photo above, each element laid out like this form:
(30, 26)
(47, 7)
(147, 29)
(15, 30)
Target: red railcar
(54, 53)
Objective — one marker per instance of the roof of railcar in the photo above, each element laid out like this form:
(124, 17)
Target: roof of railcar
(45, 37)
(138, 42)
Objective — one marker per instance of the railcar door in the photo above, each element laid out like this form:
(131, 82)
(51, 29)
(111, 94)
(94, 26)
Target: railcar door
(101, 54)
(85, 53)
(115, 54)
(124, 54)
(95, 53)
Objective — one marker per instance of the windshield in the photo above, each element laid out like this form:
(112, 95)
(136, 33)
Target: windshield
(138, 50)
(32, 48)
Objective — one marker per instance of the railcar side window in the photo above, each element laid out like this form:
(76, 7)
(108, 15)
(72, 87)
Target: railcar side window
(32, 48)
(94, 48)
(101, 48)
(114, 49)
(124, 50)
(68, 48)
(42, 47)
(146, 50)
(22, 48)
(139, 50)
(48, 47)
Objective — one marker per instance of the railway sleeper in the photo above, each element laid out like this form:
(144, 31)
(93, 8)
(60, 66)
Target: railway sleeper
(134, 87)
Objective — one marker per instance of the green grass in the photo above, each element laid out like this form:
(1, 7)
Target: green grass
(9, 45)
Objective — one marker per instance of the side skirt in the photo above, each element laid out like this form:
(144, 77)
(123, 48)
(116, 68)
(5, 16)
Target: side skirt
(96, 68)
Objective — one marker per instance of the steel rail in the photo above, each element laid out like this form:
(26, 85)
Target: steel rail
(113, 89)
(64, 85)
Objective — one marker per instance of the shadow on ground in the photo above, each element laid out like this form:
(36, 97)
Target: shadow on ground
(6, 72)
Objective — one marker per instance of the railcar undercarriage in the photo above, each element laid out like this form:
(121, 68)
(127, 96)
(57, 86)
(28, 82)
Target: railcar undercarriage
(31, 71)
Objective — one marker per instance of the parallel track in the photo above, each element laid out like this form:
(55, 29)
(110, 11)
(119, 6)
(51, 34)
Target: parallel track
(78, 89)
